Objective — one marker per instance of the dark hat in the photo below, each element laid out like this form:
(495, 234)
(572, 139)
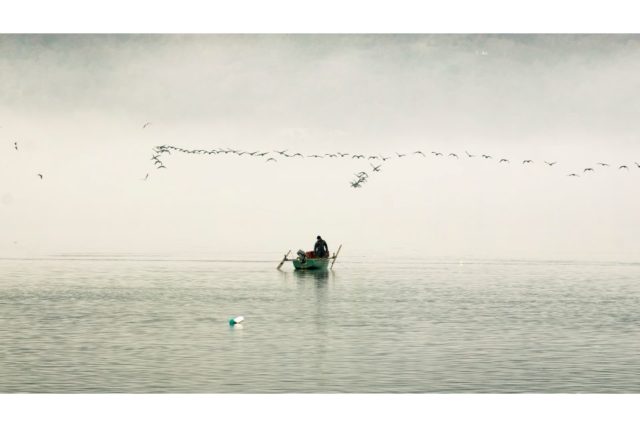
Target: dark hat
(319, 237)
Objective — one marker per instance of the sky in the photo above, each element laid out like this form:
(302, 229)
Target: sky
(76, 106)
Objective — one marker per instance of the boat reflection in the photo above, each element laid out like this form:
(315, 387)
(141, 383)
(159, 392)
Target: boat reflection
(318, 278)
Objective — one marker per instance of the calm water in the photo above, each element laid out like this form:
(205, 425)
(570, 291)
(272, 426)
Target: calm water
(144, 326)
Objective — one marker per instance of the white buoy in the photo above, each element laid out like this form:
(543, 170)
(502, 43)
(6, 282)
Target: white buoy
(236, 320)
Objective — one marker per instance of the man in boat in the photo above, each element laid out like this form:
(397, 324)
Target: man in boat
(321, 249)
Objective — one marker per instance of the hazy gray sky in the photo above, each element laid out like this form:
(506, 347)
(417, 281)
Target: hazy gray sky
(76, 105)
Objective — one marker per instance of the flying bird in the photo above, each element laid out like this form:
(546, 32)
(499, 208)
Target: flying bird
(419, 152)
(400, 155)
(271, 158)
(550, 163)
(453, 155)
(503, 161)
(316, 156)
(40, 175)
(588, 170)
(15, 145)
(357, 156)
(281, 152)
(146, 176)
(375, 168)
(573, 174)
(469, 154)
(161, 167)
(435, 153)
(623, 167)
(145, 125)
(637, 164)
(355, 184)
(486, 156)
(384, 159)
(527, 161)
(603, 164)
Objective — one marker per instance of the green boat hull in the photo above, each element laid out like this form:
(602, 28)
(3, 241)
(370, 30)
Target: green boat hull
(311, 264)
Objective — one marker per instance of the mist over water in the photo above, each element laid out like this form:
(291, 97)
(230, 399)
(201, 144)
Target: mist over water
(404, 325)
(456, 274)
(76, 105)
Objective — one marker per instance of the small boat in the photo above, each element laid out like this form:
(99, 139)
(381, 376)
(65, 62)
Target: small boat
(309, 261)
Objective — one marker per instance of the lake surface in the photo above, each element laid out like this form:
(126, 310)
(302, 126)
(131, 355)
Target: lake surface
(85, 325)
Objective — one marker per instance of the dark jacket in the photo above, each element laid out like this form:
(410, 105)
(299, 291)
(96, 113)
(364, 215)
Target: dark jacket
(321, 249)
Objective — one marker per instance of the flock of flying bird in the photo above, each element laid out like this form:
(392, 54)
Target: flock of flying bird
(360, 177)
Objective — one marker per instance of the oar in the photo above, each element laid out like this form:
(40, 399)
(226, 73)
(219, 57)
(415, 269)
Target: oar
(283, 260)
(334, 257)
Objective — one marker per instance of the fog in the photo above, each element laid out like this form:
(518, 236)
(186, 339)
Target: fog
(76, 104)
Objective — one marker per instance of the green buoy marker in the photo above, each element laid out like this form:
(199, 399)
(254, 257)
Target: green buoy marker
(236, 320)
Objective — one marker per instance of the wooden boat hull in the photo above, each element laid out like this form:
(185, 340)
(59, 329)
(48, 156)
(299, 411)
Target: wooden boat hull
(311, 264)
(307, 261)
